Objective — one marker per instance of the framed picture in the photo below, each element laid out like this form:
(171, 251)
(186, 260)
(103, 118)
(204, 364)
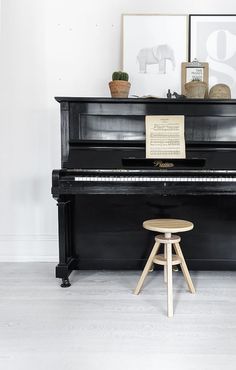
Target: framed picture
(193, 71)
(154, 46)
(212, 39)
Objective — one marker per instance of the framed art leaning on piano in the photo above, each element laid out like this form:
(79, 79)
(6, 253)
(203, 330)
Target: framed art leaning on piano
(106, 187)
(154, 45)
(212, 39)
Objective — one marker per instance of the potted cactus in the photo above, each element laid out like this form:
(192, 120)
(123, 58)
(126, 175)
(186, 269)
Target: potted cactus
(119, 86)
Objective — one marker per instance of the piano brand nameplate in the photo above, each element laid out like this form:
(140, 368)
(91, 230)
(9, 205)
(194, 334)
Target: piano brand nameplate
(165, 137)
(164, 163)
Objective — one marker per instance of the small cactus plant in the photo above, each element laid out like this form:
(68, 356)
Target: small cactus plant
(120, 85)
(123, 76)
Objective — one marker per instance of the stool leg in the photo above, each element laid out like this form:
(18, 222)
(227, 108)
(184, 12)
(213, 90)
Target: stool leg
(151, 268)
(165, 266)
(169, 280)
(184, 268)
(146, 268)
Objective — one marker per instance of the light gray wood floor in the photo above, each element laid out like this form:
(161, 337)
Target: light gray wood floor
(98, 323)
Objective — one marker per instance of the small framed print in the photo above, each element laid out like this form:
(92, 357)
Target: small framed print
(193, 71)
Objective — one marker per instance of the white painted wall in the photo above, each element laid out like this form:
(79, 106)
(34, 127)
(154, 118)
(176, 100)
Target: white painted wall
(49, 48)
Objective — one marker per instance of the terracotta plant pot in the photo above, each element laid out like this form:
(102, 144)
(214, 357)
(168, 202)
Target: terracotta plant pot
(119, 88)
(196, 89)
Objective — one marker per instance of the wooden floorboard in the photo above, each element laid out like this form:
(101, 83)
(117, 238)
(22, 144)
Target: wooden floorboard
(98, 323)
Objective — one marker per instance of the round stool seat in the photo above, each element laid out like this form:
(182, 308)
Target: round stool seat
(168, 225)
(162, 239)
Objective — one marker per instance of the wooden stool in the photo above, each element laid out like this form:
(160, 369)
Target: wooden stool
(167, 226)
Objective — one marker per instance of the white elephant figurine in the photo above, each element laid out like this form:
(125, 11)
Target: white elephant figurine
(156, 55)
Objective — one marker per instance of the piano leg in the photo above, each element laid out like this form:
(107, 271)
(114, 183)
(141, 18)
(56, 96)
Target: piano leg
(67, 263)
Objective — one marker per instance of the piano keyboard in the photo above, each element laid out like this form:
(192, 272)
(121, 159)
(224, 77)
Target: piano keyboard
(153, 179)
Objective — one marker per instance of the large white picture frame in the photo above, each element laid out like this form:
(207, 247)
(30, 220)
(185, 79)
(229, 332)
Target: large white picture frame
(154, 46)
(213, 40)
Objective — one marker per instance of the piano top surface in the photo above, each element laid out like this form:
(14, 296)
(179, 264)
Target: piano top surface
(61, 99)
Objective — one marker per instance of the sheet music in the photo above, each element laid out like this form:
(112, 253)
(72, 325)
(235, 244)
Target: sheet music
(165, 137)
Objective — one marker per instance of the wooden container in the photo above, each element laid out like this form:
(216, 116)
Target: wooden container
(196, 89)
(119, 88)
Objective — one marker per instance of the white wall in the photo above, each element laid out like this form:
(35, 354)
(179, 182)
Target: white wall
(51, 48)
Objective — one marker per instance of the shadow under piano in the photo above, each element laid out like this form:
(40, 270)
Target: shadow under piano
(106, 188)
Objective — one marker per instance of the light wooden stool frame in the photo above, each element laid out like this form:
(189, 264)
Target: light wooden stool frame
(167, 260)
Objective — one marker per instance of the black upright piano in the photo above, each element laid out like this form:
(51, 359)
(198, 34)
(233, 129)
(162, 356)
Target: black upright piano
(106, 188)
